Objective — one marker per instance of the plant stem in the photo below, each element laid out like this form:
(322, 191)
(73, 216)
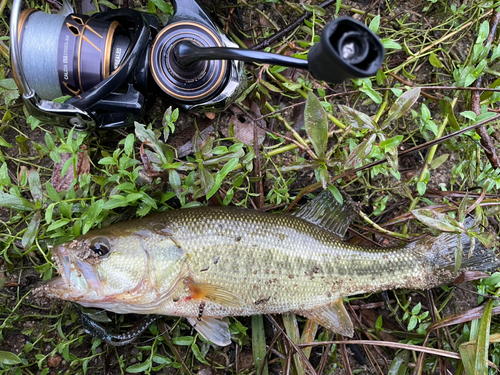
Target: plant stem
(432, 152)
(375, 225)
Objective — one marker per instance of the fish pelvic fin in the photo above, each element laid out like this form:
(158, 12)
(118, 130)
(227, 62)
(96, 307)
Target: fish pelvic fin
(212, 329)
(332, 316)
(213, 293)
(326, 212)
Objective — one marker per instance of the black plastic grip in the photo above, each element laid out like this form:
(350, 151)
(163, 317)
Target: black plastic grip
(347, 49)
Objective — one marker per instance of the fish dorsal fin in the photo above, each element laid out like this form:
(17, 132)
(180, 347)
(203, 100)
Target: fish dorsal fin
(213, 293)
(212, 329)
(332, 316)
(326, 212)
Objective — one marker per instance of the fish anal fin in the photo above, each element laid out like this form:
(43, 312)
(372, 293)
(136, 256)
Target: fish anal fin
(332, 316)
(326, 212)
(212, 329)
(213, 293)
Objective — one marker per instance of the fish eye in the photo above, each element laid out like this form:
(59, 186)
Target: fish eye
(100, 246)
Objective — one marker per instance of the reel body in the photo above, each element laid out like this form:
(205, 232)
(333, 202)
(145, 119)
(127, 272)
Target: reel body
(113, 63)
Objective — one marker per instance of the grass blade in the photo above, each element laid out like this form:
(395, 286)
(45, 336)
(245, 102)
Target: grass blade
(259, 345)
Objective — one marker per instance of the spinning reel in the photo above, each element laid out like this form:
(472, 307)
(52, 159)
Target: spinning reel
(112, 62)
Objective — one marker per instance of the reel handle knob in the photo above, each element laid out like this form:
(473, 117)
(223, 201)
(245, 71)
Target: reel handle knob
(347, 49)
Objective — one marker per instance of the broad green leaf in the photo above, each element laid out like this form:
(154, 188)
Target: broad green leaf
(8, 358)
(129, 144)
(4, 175)
(62, 99)
(437, 162)
(495, 54)
(16, 203)
(413, 323)
(90, 216)
(372, 94)
(393, 161)
(399, 364)
(197, 354)
(487, 239)
(448, 110)
(183, 340)
(206, 178)
(175, 181)
(316, 124)
(4, 143)
(336, 193)
(138, 367)
(387, 144)
(57, 224)
(416, 309)
(434, 60)
(484, 30)
(356, 119)
(270, 86)
(421, 187)
(165, 7)
(361, 152)
(462, 209)
(32, 230)
(402, 105)
(161, 360)
(8, 84)
(390, 44)
(438, 220)
(315, 8)
(35, 185)
(51, 192)
(219, 178)
(374, 24)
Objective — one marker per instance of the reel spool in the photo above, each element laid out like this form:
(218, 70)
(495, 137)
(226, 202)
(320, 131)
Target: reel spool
(68, 55)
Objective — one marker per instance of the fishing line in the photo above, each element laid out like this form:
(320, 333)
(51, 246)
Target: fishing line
(39, 50)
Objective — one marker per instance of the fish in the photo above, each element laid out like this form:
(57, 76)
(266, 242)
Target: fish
(209, 263)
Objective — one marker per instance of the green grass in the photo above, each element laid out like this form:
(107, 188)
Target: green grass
(366, 120)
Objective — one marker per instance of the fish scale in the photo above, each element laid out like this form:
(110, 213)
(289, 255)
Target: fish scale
(211, 262)
(290, 254)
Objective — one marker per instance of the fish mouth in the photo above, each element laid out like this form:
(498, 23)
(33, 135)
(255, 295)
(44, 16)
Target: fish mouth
(77, 278)
(60, 286)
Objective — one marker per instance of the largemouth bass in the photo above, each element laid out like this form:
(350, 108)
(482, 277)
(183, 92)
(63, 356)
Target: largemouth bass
(208, 263)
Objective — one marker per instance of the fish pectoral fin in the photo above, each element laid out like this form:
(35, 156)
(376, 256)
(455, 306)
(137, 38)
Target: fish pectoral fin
(332, 316)
(212, 329)
(213, 293)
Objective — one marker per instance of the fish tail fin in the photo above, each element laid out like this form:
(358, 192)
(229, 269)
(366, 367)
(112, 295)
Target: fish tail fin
(443, 254)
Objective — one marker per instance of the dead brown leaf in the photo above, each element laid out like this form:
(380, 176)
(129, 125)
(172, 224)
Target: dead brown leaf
(62, 183)
(243, 125)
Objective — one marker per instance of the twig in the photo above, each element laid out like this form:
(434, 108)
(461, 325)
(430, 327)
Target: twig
(375, 225)
(287, 30)
(486, 142)
(294, 345)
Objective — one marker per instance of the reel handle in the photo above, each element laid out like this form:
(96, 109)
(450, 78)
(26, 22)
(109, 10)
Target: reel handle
(348, 49)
